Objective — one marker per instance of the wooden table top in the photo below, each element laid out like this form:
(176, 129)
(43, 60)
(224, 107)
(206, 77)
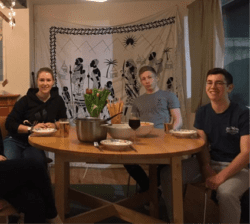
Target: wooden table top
(157, 145)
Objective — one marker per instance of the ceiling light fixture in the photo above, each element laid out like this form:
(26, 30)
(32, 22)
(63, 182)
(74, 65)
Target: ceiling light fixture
(12, 13)
(96, 0)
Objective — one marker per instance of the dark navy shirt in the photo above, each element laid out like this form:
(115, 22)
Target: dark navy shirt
(223, 130)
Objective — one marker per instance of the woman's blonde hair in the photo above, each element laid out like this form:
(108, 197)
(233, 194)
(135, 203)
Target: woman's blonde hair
(45, 69)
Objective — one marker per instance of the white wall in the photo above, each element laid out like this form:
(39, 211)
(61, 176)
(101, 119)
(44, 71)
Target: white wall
(16, 53)
(107, 13)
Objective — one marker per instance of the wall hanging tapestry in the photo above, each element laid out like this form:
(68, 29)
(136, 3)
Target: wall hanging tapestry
(110, 57)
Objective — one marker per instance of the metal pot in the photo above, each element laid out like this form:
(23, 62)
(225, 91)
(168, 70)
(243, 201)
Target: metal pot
(89, 129)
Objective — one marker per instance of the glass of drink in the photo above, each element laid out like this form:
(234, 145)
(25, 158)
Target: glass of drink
(64, 127)
(134, 122)
(167, 125)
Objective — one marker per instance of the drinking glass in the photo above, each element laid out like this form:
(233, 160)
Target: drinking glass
(64, 127)
(134, 122)
(167, 125)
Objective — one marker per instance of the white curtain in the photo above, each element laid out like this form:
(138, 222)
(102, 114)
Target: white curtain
(206, 39)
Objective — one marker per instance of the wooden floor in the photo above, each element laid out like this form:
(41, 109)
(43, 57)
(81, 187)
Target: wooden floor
(193, 202)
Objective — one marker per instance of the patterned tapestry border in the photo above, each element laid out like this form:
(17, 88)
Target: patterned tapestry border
(99, 31)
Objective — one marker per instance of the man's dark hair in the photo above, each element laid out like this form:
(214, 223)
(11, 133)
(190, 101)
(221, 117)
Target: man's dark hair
(227, 75)
(147, 68)
(45, 69)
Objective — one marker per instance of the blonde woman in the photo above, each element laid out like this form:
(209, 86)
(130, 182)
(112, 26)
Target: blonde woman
(40, 108)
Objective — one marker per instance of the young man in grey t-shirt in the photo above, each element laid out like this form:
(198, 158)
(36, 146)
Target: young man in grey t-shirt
(154, 106)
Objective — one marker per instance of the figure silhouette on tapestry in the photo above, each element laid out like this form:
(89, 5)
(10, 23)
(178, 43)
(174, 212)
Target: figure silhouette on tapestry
(78, 81)
(79, 96)
(170, 86)
(79, 66)
(109, 87)
(66, 98)
(156, 64)
(95, 74)
(78, 70)
(132, 86)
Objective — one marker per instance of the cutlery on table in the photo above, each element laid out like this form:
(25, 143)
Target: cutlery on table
(96, 144)
(112, 116)
(132, 147)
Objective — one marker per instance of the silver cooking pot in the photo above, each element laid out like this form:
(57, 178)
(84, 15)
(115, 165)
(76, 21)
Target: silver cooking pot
(89, 129)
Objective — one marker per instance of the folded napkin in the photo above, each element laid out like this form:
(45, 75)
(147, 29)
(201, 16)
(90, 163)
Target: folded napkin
(96, 101)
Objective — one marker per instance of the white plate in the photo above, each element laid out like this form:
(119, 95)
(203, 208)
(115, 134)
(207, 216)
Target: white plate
(185, 133)
(116, 144)
(44, 132)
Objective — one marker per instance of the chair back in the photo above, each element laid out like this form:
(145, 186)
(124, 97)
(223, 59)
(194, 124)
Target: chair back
(2, 126)
(6, 211)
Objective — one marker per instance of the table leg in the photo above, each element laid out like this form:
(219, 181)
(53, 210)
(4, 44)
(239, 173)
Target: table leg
(61, 185)
(177, 198)
(153, 188)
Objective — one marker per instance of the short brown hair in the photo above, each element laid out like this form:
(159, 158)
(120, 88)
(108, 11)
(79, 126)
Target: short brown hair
(147, 68)
(45, 69)
(222, 71)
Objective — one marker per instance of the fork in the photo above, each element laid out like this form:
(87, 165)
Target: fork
(96, 144)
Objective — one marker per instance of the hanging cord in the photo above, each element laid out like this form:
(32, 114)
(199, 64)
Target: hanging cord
(88, 165)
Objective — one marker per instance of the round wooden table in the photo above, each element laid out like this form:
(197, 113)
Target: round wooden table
(156, 148)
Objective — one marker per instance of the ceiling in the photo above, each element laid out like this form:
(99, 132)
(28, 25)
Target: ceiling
(20, 4)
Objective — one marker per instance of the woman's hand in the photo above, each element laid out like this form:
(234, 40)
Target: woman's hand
(2, 158)
(50, 125)
(40, 125)
(45, 125)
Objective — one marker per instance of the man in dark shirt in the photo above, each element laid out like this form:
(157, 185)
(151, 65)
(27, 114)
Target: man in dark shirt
(224, 125)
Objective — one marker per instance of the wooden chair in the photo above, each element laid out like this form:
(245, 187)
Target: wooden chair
(210, 196)
(205, 191)
(2, 126)
(6, 211)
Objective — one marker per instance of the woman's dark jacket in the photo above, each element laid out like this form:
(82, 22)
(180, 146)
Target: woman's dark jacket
(31, 108)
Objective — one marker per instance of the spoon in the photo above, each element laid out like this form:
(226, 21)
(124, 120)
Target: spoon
(112, 117)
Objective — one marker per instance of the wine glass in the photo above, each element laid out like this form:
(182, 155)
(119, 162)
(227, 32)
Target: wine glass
(134, 122)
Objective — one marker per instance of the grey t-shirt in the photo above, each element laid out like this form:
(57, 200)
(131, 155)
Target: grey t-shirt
(156, 107)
